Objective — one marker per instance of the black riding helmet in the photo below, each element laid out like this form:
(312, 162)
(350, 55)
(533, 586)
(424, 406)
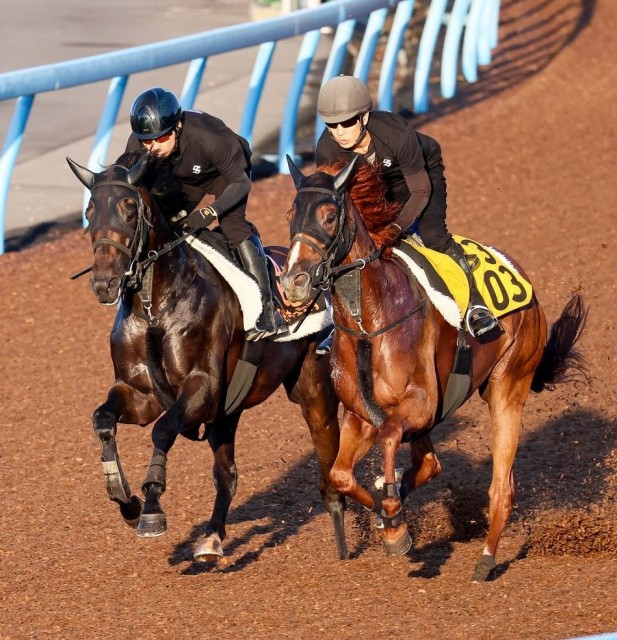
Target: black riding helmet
(154, 112)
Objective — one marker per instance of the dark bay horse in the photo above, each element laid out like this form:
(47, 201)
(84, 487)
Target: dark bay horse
(393, 351)
(176, 341)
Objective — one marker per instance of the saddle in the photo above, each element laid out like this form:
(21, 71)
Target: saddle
(500, 284)
(301, 320)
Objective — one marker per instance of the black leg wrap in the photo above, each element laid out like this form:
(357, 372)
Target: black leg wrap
(393, 521)
(157, 471)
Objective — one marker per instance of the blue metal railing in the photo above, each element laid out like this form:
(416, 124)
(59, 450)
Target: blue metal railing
(478, 19)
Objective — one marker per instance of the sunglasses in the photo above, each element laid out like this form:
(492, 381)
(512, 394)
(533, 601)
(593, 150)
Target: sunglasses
(162, 138)
(346, 125)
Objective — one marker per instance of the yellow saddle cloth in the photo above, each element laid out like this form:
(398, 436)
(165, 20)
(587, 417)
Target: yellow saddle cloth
(501, 286)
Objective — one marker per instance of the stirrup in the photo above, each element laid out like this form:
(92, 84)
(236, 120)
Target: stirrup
(278, 328)
(483, 322)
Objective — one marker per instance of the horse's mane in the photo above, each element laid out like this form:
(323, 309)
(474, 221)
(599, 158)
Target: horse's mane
(128, 159)
(368, 191)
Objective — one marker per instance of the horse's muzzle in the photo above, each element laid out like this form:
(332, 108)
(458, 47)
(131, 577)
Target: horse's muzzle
(106, 290)
(297, 286)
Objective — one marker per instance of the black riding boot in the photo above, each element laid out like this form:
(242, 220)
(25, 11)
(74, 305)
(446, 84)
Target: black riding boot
(479, 319)
(254, 260)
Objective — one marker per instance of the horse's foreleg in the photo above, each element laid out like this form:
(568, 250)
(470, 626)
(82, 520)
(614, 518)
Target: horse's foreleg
(121, 403)
(395, 535)
(221, 437)
(424, 466)
(356, 439)
(320, 410)
(152, 521)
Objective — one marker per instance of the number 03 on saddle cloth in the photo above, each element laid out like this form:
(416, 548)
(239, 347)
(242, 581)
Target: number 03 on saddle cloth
(502, 287)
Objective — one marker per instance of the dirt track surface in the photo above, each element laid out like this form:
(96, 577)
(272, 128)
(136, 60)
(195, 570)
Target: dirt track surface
(530, 156)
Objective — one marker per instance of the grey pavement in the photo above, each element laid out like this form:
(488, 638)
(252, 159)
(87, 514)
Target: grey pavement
(63, 123)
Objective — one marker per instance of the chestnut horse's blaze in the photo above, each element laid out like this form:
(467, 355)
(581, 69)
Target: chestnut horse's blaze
(393, 351)
(175, 344)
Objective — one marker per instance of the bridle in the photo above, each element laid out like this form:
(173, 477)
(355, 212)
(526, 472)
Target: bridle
(137, 279)
(138, 237)
(331, 248)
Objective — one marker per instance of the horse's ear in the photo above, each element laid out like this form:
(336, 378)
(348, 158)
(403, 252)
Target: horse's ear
(342, 178)
(85, 176)
(138, 170)
(296, 174)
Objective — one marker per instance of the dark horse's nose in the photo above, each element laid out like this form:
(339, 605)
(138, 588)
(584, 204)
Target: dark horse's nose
(106, 290)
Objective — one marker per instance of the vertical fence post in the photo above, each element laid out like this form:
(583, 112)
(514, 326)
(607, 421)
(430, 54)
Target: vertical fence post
(14, 138)
(192, 82)
(402, 16)
(256, 86)
(428, 40)
(98, 155)
(292, 106)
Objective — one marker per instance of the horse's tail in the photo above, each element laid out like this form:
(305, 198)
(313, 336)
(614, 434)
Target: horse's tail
(561, 362)
(154, 356)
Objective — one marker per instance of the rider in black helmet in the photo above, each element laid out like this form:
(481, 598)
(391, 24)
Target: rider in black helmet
(410, 164)
(200, 157)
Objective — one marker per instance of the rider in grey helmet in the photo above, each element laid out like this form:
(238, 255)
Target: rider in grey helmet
(410, 164)
(201, 157)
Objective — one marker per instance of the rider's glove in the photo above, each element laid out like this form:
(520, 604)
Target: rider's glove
(199, 219)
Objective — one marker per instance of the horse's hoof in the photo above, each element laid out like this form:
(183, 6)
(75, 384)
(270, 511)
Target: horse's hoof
(210, 549)
(151, 525)
(485, 566)
(131, 511)
(400, 546)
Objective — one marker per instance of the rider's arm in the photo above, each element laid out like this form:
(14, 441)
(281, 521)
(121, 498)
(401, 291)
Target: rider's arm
(233, 194)
(419, 186)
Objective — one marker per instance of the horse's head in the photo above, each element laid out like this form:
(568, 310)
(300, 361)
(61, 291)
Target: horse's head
(118, 222)
(320, 232)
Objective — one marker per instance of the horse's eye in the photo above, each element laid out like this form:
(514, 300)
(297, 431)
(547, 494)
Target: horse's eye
(89, 211)
(329, 215)
(127, 209)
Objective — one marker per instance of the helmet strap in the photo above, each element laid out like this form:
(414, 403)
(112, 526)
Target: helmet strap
(361, 137)
(177, 131)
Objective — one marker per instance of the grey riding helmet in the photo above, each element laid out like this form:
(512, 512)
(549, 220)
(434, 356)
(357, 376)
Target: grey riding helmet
(154, 113)
(342, 98)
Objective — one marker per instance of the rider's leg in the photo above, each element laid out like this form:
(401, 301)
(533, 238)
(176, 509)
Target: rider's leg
(242, 237)
(254, 260)
(479, 318)
(435, 235)
(325, 346)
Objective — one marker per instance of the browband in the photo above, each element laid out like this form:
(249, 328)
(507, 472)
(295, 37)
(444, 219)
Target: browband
(330, 192)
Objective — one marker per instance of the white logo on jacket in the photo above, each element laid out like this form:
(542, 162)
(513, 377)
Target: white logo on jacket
(387, 162)
(196, 168)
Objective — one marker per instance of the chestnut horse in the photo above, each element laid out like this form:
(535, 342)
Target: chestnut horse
(393, 351)
(176, 341)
